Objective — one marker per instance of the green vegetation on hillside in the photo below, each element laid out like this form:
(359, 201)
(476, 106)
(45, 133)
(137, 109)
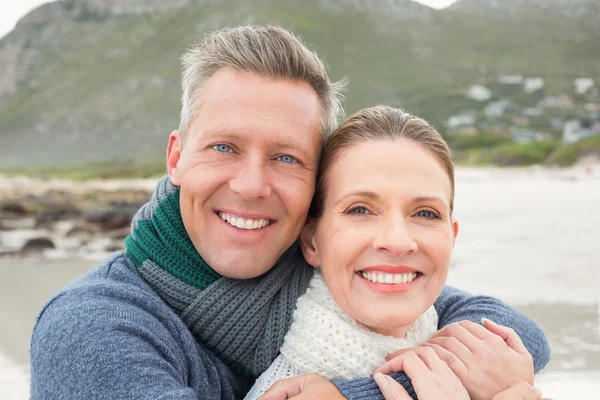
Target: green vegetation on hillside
(502, 153)
(83, 172)
(569, 154)
(108, 88)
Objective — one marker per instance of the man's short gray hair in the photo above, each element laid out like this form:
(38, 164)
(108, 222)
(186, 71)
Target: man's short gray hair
(268, 51)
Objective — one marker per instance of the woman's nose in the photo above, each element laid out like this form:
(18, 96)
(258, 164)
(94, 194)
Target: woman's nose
(395, 237)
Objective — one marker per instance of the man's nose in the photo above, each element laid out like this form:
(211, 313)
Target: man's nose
(251, 181)
(395, 237)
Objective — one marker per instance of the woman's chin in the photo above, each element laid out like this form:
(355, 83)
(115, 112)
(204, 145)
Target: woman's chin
(389, 324)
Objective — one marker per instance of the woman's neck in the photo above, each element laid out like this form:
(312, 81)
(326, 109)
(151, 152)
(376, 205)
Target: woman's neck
(393, 332)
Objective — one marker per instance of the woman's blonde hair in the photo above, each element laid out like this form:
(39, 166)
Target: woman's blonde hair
(380, 123)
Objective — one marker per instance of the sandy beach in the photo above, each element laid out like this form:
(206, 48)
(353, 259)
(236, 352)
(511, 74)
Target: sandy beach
(527, 236)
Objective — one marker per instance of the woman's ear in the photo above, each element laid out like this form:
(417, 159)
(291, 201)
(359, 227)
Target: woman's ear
(307, 243)
(454, 229)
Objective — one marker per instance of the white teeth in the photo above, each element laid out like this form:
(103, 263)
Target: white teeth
(382, 277)
(242, 223)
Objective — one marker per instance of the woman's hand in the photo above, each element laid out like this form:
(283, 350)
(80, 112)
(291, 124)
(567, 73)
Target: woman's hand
(488, 359)
(311, 386)
(520, 391)
(431, 377)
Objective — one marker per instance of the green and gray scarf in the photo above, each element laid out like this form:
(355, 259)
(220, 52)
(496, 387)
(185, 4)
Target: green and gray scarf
(242, 321)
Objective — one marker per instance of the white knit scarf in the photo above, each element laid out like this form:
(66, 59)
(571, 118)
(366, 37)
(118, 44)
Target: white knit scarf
(323, 339)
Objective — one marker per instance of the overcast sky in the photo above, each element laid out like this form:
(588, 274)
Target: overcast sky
(13, 10)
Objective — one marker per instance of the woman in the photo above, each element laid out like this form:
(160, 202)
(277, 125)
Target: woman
(381, 234)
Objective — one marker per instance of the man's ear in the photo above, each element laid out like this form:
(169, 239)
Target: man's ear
(173, 157)
(307, 243)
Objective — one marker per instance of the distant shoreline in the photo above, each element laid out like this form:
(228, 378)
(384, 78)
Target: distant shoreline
(13, 185)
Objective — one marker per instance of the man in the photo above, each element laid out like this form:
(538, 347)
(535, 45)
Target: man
(198, 305)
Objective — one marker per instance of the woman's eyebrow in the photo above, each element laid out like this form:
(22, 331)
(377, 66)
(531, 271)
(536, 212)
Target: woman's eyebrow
(424, 199)
(359, 193)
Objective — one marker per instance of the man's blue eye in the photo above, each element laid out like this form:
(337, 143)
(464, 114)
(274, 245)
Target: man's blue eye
(359, 210)
(427, 214)
(222, 148)
(287, 159)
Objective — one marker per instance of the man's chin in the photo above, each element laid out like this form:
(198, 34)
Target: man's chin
(241, 269)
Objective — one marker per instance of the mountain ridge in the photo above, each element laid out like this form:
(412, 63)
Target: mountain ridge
(102, 81)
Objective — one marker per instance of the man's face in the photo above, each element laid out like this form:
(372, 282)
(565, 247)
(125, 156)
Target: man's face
(247, 170)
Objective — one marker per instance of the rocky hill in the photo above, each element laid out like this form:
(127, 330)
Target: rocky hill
(97, 81)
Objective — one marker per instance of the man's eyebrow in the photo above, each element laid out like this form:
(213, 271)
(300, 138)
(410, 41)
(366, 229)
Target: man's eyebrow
(221, 133)
(294, 143)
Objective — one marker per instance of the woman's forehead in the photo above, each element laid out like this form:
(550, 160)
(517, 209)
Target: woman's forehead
(387, 164)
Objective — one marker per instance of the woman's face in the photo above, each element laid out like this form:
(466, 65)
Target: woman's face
(385, 237)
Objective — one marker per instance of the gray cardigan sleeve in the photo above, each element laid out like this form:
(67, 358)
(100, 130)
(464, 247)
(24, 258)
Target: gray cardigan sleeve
(452, 306)
(112, 344)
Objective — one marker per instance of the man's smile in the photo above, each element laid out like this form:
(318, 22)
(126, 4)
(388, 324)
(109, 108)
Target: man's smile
(244, 223)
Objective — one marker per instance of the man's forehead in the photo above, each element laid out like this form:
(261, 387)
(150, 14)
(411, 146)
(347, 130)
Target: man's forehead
(250, 105)
(231, 85)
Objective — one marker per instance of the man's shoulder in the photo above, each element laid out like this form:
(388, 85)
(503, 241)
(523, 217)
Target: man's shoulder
(114, 288)
(116, 271)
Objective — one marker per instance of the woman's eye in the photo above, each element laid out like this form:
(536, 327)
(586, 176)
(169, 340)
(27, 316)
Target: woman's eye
(427, 214)
(287, 159)
(359, 211)
(222, 148)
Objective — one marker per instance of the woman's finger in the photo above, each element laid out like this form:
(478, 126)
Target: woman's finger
(399, 363)
(453, 362)
(398, 352)
(507, 334)
(391, 389)
(469, 340)
(455, 346)
(476, 330)
(284, 389)
(432, 360)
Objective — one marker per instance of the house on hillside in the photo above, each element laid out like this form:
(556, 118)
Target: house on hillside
(497, 108)
(575, 130)
(593, 110)
(591, 107)
(557, 123)
(521, 120)
(530, 85)
(582, 85)
(463, 123)
(532, 112)
(459, 120)
(520, 135)
(479, 93)
(497, 128)
(510, 79)
(561, 101)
